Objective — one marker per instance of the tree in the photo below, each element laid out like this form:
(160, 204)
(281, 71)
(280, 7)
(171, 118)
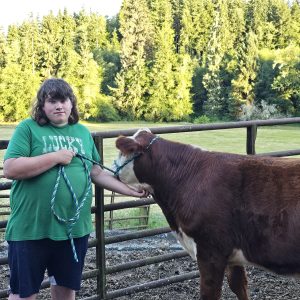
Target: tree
(197, 19)
(242, 86)
(236, 14)
(49, 45)
(97, 33)
(271, 21)
(109, 58)
(295, 24)
(279, 17)
(18, 79)
(87, 77)
(2, 50)
(169, 97)
(177, 17)
(66, 57)
(28, 35)
(13, 45)
(214, 104)
(131, 81)
(17, 90)
(287, 82)
(256, 21)
(265, 74)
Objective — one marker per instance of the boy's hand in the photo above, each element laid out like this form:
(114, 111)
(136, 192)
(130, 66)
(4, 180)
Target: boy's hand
(63, 156)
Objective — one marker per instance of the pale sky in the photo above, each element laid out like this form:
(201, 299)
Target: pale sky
(16, 11)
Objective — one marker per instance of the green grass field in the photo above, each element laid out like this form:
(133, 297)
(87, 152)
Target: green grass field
(269, 139)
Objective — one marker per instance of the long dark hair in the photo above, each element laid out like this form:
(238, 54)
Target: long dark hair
(58, 89)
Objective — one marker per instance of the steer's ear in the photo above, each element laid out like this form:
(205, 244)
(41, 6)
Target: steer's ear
(127, 145)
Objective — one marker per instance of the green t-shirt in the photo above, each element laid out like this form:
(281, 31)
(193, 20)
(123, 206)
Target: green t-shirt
(30, 200)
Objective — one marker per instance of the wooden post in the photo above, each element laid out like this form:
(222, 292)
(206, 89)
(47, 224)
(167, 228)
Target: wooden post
(144, 216)
(251, 137)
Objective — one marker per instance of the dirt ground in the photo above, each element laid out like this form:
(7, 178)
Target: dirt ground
(262, 285)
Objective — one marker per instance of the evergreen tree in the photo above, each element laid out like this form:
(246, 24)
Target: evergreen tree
(182, 104)
(132, 85)
(18, 83)
(279, 18)
(28, 33)
(197, 20)
(109, 59)
(66, 57)
(2, 50)
(177, 6)
(113, 26)
(49, 44)
(256, 16)
(13, 51)
(215, 102)
(86, 84)
(236, 23)
(287, 82)
(266, 72)
(57, 56)
(169, 91)
(93, 28)
(87, 77)
(270, 21)
(242, 86)
(295, 23)
(97, 33)
(17, 89)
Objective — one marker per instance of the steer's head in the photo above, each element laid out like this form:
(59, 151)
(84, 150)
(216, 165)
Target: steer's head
(128, 165)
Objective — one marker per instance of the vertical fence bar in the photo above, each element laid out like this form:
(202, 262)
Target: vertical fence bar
(99, 227)
(251, 137)
(111, 213)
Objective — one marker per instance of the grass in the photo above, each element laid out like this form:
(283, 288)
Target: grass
(269, 139)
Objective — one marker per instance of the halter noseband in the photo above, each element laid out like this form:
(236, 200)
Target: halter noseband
(136, 155)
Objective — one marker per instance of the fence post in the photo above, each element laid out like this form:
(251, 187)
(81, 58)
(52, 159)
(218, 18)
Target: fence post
(99, 227)
(251, 137)
(144, 218)
(111, 213)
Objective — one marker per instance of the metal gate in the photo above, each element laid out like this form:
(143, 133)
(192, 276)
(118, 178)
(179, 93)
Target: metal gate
(100, 240)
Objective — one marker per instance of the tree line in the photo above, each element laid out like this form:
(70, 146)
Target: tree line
(160, 60)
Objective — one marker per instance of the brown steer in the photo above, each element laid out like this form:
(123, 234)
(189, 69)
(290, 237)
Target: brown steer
(227, 210)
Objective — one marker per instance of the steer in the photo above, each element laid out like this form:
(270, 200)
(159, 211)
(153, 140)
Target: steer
(227, 210)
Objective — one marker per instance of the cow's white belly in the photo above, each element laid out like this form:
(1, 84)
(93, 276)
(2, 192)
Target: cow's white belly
(187, 243)
(237, 257)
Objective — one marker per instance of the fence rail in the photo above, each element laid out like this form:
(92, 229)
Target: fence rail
(100, 208)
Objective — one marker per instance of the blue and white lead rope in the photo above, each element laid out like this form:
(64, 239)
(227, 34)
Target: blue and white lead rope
(78, 204)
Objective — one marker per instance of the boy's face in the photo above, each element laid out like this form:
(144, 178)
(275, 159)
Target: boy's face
(58, 111)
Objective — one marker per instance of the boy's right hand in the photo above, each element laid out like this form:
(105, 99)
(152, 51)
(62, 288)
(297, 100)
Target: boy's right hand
(64, 156)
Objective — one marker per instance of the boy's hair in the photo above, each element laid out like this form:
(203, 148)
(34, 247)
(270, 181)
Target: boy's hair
(57, 89)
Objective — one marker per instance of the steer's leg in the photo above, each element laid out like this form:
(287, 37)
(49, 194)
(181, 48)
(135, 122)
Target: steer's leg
(237, 279)
(211, 278)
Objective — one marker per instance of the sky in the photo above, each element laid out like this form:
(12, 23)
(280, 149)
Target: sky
(16, 11)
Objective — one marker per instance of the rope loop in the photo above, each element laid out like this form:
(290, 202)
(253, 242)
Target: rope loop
(78, 204)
